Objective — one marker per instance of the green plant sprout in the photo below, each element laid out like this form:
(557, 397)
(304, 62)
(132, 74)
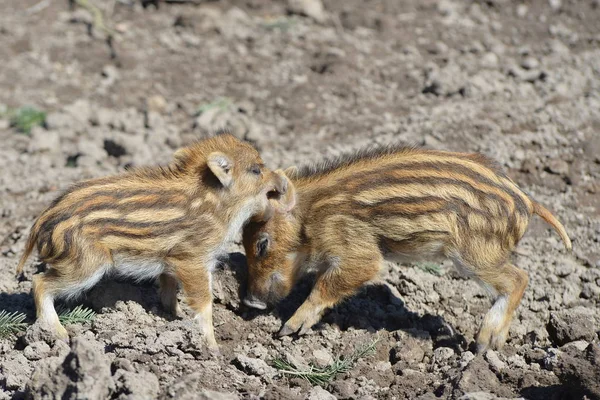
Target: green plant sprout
(11, 323)
(322, 376)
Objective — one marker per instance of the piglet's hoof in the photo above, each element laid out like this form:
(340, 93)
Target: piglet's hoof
(215, 352)
(286, 331)
(481, 348)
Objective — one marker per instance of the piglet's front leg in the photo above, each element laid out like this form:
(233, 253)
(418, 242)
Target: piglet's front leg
(307, 315)
(343, 278)
(168, 293)
(196, 281)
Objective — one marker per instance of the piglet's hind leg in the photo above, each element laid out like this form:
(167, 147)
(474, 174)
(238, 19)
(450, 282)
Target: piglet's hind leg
(44, 292)
(509, 283)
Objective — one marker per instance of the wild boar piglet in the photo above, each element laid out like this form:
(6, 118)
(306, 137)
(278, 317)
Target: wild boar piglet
(404, 204)
(167, 222)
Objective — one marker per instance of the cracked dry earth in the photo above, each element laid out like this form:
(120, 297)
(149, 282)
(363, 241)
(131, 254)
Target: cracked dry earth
(516, 80)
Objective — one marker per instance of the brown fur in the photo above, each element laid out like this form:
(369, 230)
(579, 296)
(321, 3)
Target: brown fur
(169, 222)
(408, 203)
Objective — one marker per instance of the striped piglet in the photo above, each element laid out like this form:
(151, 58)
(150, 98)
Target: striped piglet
(393, 202)
(172, 223)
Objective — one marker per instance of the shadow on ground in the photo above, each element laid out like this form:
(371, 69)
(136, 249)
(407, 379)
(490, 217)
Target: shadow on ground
(373, 308)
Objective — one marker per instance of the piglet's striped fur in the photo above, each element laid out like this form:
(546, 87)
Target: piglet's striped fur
(398, 203)
(171, 223)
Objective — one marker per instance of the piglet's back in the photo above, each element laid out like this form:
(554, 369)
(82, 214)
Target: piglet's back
(149, 210)
(125, 207)
(405, 192)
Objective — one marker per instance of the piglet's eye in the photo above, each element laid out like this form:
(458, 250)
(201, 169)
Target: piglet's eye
(255, 169)
(262, 246)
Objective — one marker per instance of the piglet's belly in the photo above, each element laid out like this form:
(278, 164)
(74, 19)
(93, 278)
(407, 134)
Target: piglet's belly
(137, 268)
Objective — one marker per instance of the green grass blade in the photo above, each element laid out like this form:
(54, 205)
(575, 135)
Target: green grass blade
(322, 376)
(79, 315)
(431, 268)
(11, 323)
(25, 118)
(221, 103)
(283, 24)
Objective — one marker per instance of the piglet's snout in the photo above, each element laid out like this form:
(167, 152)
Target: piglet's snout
(253, 302)
(281, 185)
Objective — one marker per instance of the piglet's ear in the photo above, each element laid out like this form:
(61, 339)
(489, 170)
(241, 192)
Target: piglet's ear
(291, 172)
(262, 245)
(287, 201)
(181, 157)
(222, 167)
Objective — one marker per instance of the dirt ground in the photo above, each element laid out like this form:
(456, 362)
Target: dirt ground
(516, 80)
